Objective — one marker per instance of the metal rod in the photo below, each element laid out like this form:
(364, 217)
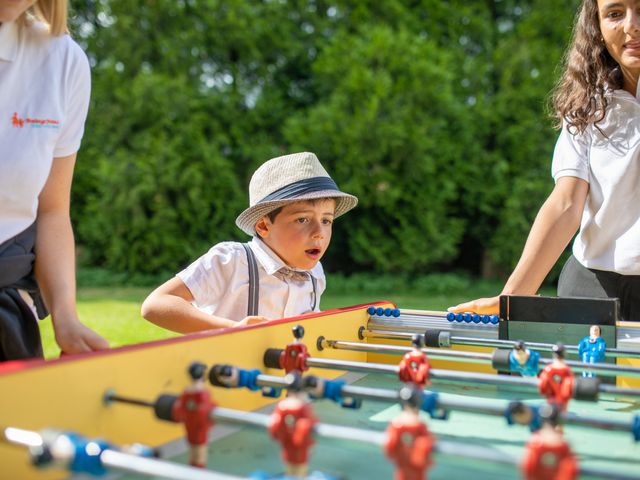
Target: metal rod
(473, 357)
(603, 369)
(612, 389)
(423, 313)
(351, 365)
(262, 420)
(435, 374)
(158, 468)
(112, 397)
(25, 438)
(114, 459)
(481, 342)
(445, 402)
(452, 375)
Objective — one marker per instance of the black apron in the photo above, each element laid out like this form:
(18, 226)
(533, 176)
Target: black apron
(19, 331)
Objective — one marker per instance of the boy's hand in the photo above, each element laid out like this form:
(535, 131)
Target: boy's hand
(482, 306)
(74, 337)
(250, 320)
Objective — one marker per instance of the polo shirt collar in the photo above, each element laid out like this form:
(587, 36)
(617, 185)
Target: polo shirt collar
(8, 41)
(271, 261)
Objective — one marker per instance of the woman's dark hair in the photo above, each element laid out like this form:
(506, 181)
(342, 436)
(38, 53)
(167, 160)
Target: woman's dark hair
(589, 72)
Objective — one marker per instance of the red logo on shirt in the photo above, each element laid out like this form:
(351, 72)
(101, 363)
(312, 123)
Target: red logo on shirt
(18, 122)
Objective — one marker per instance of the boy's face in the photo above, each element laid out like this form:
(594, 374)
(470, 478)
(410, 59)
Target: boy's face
(300, 233)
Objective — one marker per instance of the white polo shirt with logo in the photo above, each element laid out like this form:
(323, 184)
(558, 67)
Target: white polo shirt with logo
(45, 85)
(609, 159)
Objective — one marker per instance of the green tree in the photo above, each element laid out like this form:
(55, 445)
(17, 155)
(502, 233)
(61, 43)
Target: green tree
(384, 130)
(431, 111)
(528, 59)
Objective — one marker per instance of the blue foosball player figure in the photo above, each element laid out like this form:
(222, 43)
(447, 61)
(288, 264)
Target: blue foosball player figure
(592, 348)
(524, 360)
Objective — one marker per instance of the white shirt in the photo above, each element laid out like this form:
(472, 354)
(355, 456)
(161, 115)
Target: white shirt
(609, 236)
(45, 85)
(219, 283)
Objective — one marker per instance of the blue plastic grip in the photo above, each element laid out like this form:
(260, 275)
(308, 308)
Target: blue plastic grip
(248, 378)
(87, 455)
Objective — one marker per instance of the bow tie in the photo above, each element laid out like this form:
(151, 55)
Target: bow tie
(293, 275)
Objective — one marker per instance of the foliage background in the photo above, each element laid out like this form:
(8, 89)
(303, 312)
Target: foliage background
(432, 112)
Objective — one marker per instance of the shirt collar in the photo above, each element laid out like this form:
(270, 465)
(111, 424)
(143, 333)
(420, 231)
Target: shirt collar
(271, 261)
(8, 41)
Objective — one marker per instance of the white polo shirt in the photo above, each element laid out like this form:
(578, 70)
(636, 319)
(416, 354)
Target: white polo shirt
(609, 236)
(219, 283)
(45, 85)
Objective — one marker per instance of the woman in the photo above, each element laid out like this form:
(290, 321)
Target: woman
(596, 167)
(45, 85)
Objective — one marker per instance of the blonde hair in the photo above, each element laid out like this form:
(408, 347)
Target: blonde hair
(53, 13)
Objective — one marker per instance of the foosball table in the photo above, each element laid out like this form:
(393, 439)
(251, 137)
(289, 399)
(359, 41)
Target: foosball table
(363, 392)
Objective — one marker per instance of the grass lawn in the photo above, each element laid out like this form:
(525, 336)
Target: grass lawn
(115, 312)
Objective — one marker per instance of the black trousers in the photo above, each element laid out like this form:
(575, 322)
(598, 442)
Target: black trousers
(578, 281)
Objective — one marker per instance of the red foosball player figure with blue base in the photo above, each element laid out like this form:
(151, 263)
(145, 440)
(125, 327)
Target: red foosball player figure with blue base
(524, 360)
(409, 443)
(414, 367)
(294, 356)
(193, 409)
(592, 348)
(292, 425)
(548, 456)
(556, 380)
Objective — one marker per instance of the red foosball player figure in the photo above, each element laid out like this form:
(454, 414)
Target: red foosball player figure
(292, 425)
(548, 456)
(556, 379)
(294, 357)
(409, 443)
(414, 366)
(193, 409)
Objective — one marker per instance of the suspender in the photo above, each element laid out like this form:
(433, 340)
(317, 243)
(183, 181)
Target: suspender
(254, 283)
(313, 282)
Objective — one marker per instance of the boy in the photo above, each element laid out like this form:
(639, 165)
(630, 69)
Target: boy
(293, 202)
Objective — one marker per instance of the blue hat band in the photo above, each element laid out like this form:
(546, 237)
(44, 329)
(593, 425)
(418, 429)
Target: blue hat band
(301, 187)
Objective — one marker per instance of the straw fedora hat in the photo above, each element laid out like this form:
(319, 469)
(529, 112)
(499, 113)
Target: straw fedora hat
(289, 179)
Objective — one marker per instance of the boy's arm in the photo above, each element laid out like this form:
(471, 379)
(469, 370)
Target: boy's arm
(169, 306)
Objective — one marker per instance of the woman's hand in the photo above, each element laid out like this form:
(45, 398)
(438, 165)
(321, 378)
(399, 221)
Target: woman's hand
(73, 337)
(482, 306)
(251, 320)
